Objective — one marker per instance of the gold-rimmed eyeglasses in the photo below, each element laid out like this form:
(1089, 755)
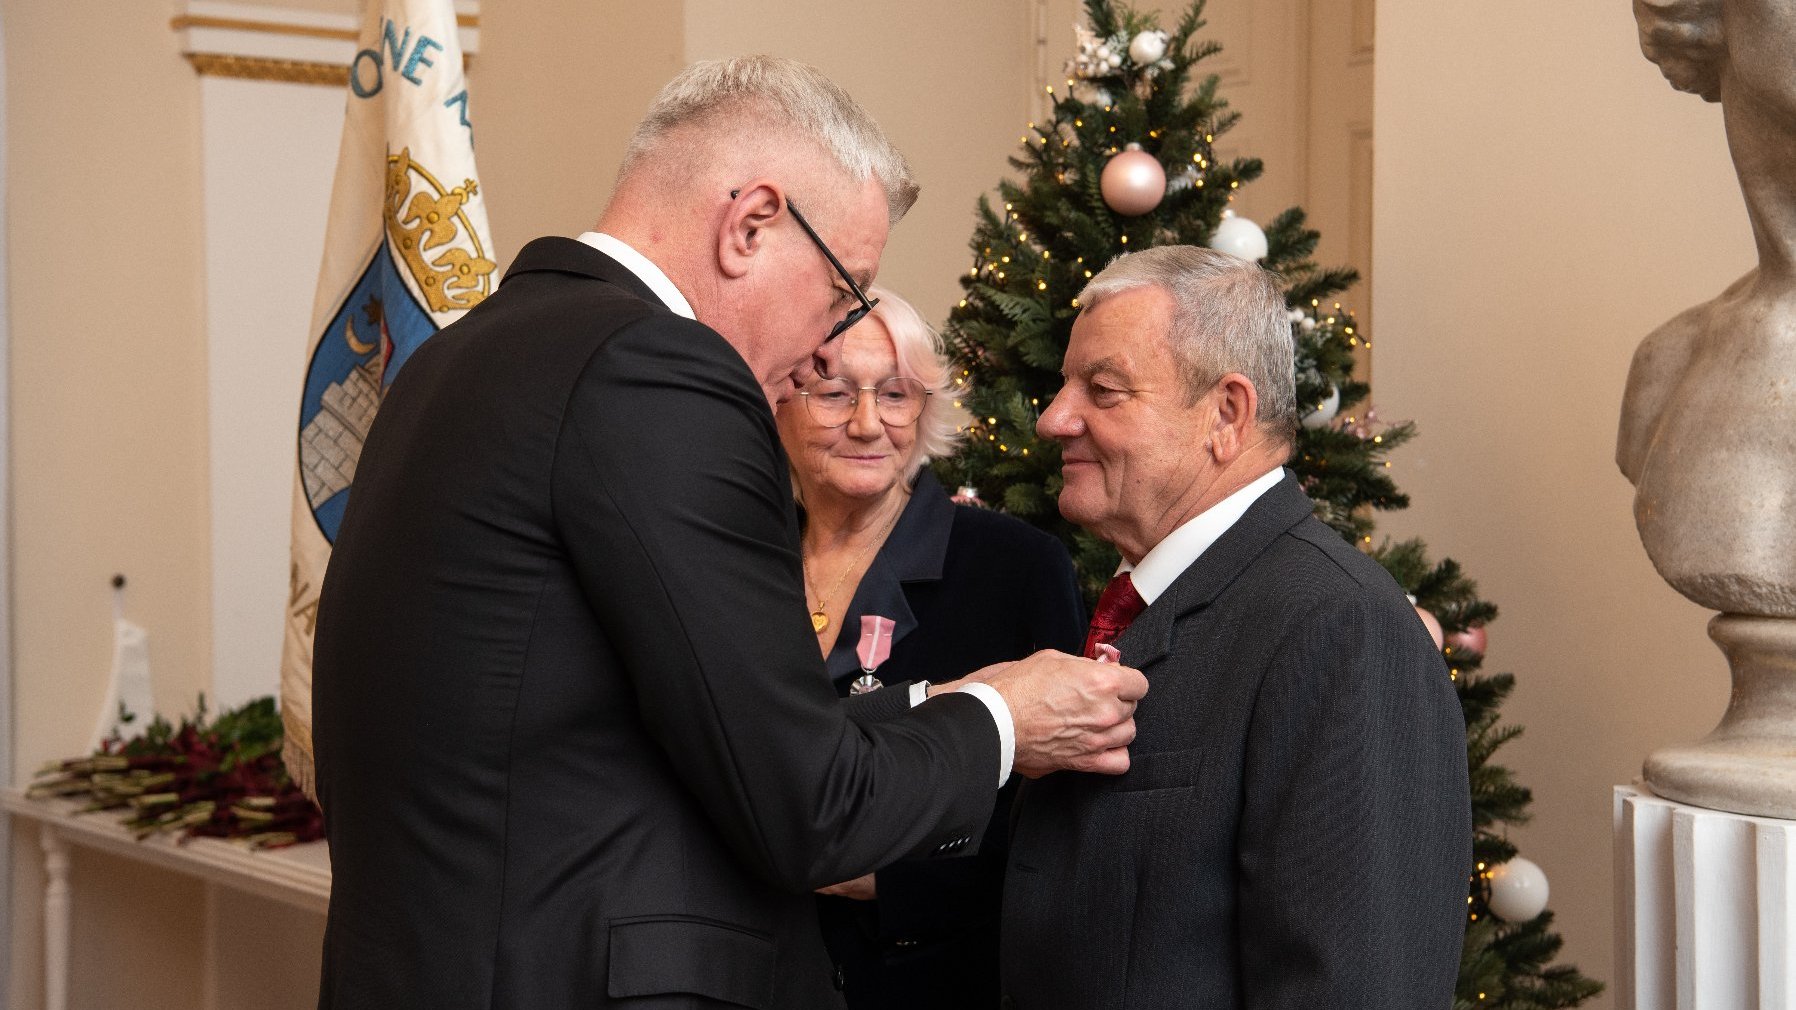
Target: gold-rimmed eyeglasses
(898, 400)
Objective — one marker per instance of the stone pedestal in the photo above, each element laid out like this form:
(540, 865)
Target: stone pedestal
(1748, 764)
(1705, 907)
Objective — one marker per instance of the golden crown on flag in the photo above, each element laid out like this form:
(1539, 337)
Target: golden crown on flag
(422, 218)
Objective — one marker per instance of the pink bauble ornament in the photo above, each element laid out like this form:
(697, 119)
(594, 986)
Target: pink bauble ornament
(967, 495)
(1433, 625)
(1472, 640)
(1133, 182)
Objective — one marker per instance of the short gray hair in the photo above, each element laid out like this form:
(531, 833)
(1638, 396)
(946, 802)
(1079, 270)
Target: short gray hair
(786, 93)
(918, 348)
(1228, 315)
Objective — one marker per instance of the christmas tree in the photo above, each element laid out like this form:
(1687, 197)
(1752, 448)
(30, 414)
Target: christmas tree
(1127, 163)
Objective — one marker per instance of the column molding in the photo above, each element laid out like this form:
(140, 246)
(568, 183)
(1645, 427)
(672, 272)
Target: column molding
(251, 42)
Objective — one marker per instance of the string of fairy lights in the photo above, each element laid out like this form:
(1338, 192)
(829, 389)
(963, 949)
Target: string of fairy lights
(1030, 261)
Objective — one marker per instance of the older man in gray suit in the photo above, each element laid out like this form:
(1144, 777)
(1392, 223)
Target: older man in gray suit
(1295, 827)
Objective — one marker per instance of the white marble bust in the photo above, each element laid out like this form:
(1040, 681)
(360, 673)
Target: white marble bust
(1708, 423)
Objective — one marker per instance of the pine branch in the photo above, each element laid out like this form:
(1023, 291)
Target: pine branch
(1033, 251)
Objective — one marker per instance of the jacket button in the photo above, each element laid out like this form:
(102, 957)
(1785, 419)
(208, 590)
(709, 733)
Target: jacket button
(841, 979)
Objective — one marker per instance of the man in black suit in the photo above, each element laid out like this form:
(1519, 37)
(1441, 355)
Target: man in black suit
(575, 745)
(1294, 830)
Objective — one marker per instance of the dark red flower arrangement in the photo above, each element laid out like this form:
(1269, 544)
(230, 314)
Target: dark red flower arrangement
(219, 779)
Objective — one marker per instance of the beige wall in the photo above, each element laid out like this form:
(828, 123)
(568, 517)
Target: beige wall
(558, 86)
(950, 82)
(108, 360)
(108, 349)
(1544, 200)
(107, 402)
(555, 91)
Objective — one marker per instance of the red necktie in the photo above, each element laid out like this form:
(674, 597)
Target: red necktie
(1117, 609)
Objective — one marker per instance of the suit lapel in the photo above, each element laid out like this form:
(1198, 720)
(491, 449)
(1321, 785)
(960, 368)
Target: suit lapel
(914, 552)
(1283, 506)
(556, 254)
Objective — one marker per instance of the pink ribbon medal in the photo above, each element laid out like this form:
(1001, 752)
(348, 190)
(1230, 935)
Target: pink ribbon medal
(875, 648)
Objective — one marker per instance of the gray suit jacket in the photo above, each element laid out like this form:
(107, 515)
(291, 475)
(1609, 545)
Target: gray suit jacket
(1295, 827)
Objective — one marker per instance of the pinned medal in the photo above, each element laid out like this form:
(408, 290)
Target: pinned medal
(875, 648)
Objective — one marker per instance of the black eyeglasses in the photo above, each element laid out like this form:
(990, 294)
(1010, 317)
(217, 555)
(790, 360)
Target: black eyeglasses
(855, 314)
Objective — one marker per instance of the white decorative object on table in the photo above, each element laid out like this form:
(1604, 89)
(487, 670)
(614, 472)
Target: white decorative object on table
(128, 690)
(1239, 236)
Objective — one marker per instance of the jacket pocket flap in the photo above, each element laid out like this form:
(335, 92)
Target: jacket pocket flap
(653, 955)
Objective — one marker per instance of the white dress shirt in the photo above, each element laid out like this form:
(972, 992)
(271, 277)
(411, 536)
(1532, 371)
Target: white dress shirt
(664, 289)
(1169, 558)
(645, 271)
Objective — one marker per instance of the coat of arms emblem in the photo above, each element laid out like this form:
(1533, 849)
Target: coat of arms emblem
(431, 262)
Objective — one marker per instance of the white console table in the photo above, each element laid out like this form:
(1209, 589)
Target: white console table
(299, 875)
(1705, 907)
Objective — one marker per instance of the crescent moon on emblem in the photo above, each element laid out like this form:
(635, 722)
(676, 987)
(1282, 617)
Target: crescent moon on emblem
(355, 345)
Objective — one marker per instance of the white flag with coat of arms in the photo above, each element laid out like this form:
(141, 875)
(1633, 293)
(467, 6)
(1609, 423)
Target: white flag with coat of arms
(406, 252)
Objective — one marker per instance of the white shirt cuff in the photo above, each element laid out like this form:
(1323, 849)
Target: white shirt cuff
(994, 701)
(919, 692)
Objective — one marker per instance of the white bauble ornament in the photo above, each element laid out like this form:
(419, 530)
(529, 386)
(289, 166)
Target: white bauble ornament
(1324, 412)
(1147, 47)
(1133, 182)
(1518, 890)
(1239, 236)
(1295, 315)
(1306, 324)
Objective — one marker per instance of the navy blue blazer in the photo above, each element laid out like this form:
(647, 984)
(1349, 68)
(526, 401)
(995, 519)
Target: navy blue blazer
(967, 587)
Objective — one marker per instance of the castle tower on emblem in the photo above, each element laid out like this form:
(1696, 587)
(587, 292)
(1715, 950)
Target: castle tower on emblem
(332, 443)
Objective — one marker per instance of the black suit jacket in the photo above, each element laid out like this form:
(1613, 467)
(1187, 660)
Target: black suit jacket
(575, 746)
(965, 587)
(1295, 827)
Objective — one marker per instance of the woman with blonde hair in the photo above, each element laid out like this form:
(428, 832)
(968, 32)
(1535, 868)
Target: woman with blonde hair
(903, 582)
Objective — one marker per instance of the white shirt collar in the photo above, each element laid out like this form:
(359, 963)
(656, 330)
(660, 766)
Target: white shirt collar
(1170, 557)
(645, 271)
